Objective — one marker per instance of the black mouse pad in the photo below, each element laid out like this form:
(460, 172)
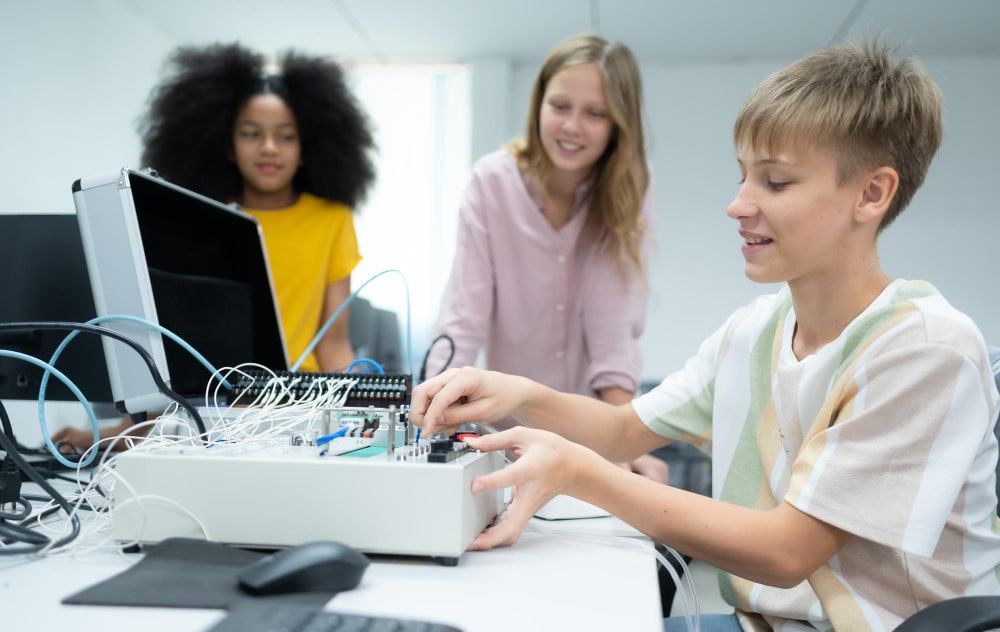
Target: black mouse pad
(184, 573)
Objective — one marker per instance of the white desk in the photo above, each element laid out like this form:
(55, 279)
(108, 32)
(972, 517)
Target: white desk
(547, 581)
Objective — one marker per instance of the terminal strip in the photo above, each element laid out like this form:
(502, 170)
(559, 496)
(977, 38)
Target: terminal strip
(445, 451)
(364, 389)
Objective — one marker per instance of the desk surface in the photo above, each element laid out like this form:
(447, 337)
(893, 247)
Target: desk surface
(589, 574)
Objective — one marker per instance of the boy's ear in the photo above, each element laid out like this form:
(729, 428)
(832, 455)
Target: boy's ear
(879, 189)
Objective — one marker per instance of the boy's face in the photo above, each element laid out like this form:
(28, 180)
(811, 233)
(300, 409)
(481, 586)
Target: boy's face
(796, 221)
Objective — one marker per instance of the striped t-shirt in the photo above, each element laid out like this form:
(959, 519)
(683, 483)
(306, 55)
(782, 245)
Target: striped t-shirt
(886, 432)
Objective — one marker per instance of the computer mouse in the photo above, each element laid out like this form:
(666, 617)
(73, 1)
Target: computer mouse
(321, 566)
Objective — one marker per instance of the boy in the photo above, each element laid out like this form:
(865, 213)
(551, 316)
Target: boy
(849, 415)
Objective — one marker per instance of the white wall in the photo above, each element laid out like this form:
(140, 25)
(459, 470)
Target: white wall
(948, 234)
(75, 76)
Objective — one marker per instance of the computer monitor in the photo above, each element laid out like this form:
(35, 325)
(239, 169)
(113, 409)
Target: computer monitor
(44, 278)
(189, 263)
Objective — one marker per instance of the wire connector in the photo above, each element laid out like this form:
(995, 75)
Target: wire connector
(10, 483)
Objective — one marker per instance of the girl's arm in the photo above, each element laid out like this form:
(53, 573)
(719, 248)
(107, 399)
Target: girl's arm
(467, 303)
(334, 350)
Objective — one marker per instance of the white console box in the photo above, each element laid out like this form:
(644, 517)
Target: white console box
(277, 496)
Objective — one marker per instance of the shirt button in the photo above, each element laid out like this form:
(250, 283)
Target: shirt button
(560, 307)
(561, 258)
(559, 355)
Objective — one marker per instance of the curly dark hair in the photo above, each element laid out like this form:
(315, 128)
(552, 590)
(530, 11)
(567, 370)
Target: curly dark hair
(187, 132)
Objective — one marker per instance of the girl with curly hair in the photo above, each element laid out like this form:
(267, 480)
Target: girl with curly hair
(290, 145)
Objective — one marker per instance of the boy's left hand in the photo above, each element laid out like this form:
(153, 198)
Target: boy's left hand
(547, 466)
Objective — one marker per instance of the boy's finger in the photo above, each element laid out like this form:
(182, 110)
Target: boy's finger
(503, 534)
(491, 442)
(500, 479)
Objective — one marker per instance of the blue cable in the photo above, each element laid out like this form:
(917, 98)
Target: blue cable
(100, 319)
(169, 334)
(330, 437)
(142, 321)
(41, 420)
(373, 363)
(322, 331)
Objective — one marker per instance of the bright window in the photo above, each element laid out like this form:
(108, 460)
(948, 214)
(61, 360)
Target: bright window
(422, 123)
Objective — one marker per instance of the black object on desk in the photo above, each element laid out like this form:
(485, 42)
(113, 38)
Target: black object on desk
(45, 279)
(286, 617)
(185, 573)
(191, 573)
(313, 566)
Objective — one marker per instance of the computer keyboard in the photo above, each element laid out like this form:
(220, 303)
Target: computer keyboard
(338, 622)
(289, 617)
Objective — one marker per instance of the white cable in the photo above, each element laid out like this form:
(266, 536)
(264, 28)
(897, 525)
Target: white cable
(692, 619)
(274, 412)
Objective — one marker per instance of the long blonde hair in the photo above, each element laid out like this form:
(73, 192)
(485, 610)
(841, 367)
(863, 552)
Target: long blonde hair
(621, 175)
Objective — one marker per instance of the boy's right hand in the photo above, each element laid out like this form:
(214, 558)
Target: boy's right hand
(467, 394)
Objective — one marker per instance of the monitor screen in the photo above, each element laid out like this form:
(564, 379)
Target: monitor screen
(195, 266)
(45, 279)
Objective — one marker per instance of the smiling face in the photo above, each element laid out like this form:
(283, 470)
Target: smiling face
(574, 123)
(795, 216)
(267, 151)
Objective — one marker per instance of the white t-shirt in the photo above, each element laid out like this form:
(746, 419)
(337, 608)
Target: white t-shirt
(886, 432)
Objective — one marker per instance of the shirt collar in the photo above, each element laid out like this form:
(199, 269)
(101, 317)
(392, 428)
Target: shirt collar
(581, 197)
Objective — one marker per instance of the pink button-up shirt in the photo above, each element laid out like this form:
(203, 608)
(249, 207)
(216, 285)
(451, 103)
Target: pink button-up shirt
(544, 303)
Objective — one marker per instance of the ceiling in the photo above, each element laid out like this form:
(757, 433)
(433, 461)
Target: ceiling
(664, 31)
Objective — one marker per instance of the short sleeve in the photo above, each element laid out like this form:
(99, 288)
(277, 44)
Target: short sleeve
(681, 407)
(344, 252)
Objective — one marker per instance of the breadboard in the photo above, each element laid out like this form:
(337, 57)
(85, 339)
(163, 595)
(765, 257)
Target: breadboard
(267, 495)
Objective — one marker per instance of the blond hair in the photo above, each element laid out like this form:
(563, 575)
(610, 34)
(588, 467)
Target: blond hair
(621, 174)
(859, 100)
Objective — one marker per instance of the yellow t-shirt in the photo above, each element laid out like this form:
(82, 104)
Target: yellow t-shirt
(310, 245)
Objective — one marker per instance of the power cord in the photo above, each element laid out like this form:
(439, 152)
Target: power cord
(10, 475)
(104, 331)
(430, 347)
(10, 485)
(34, 541)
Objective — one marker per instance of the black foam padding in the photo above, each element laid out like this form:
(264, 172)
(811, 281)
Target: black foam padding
(185, 573)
